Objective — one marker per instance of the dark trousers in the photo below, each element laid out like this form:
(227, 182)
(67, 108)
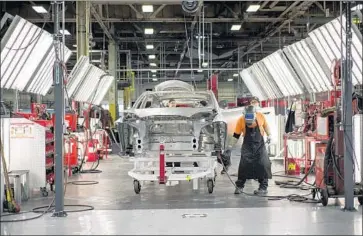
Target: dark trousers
(263, 183)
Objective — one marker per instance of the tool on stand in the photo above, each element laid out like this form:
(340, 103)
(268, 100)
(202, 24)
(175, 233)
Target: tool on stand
(13, 207)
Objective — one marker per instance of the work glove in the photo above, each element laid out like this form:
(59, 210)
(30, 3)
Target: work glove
(268, 140)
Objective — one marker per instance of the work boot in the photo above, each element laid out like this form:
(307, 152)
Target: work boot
(238, 190)
(260, 191)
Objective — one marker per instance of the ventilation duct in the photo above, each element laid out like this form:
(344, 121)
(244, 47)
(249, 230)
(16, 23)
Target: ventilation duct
(190, 6)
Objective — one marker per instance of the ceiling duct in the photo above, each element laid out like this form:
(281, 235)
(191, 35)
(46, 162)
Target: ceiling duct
(190, 6)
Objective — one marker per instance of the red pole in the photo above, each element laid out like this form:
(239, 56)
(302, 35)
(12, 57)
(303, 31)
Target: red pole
(162, 178)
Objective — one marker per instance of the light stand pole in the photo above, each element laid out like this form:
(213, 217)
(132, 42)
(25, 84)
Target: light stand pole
(347, 115)
(59, 116)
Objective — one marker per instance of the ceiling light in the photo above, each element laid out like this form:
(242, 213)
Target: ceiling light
(66, 32)
(200, 37)
(149, 31)
(74, 45)
(154, 75)
(152, 56)
(235, 27)
(40, 9)
(204, 64)
(200, 70)
(152, 64)
(253, 8)
(155, 79)
(149, 46)
(230, 80)
(235, 75)
(153, 71)
(147, 8)
(357, 8)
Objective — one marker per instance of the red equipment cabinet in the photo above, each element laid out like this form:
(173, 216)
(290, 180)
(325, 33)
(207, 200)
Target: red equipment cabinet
(70, 121)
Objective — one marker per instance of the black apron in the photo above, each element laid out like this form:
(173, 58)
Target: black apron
(255, 163)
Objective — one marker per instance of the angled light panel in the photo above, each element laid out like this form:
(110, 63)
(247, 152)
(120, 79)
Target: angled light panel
(105, 84)
(251, 85)
(25, 55)
(77, 75)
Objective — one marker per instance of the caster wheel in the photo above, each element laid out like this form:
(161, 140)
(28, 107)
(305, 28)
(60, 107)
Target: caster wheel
(324, 197)
(210, 185)
(313, 194)
(137, 186)
(360, 200)
(45, 193)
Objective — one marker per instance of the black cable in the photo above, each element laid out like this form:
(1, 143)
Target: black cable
(83, 182)
(87, 208)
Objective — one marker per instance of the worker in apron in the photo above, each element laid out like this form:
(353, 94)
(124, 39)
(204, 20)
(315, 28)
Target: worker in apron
(254, 163)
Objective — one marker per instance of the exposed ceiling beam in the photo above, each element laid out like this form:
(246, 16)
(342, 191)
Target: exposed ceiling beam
(235, 15)
(155, 13)
(170, 20)
(101, 23)
(273, 4)
(320, 6)
(299, 10)
(138, 14)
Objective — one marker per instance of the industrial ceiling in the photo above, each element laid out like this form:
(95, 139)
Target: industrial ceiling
(234, 36)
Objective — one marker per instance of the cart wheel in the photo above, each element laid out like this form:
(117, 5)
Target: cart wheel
(137, 186)
(324, 197)
(44, 192)
(313, 193)
(210, 185)
(360, 200)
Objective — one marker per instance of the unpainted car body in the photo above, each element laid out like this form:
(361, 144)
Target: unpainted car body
(195, 125)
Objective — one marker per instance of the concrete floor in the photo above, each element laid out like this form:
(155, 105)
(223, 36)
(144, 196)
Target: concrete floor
(180, 210)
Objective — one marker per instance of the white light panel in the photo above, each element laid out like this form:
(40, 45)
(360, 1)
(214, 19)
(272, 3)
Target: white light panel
(89, 85)
(26, 58)
(77, 75)
(251, 85)
(327, 40)
(105, 83)
(262, 79)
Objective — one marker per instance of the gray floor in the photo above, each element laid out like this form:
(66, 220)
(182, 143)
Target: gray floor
(180, 210)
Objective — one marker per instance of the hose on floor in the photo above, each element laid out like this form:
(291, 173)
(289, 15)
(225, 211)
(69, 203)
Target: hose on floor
(291, 197)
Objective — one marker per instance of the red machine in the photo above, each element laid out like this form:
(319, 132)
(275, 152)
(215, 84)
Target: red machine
(329, 165)
(70, 121)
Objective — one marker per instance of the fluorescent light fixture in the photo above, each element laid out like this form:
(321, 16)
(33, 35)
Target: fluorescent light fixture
(152, 64)
(357, 8)
(204, 64)
(96, 60)
(236, 27)
(155, 79)
(149, 31)
(77, 75)
(200, 71)
(149, 46)
(200, 37)
(74, 45)
(153, 71)
(152, 56)
(66, 32)
(40, 9)
(235, 75)
(154, 75)
(253, 8)
(230, 80)
(147, 8)
(27, 64)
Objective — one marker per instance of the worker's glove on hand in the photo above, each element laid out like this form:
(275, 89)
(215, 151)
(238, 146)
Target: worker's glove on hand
(268, 140)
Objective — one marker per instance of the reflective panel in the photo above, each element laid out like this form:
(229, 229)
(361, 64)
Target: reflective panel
(330, 42)
(251, 85)
(26, 58)
(77, 75)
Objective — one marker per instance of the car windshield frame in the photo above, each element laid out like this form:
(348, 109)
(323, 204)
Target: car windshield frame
(160, 99)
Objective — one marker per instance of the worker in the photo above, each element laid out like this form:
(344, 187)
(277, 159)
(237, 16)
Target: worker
(254, 163)
(171, 103)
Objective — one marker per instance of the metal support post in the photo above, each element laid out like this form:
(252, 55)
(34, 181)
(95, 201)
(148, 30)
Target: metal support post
(347, 117)
(59, 117)
(112, 94)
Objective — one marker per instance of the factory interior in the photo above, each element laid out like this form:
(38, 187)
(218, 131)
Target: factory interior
(156, 117)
